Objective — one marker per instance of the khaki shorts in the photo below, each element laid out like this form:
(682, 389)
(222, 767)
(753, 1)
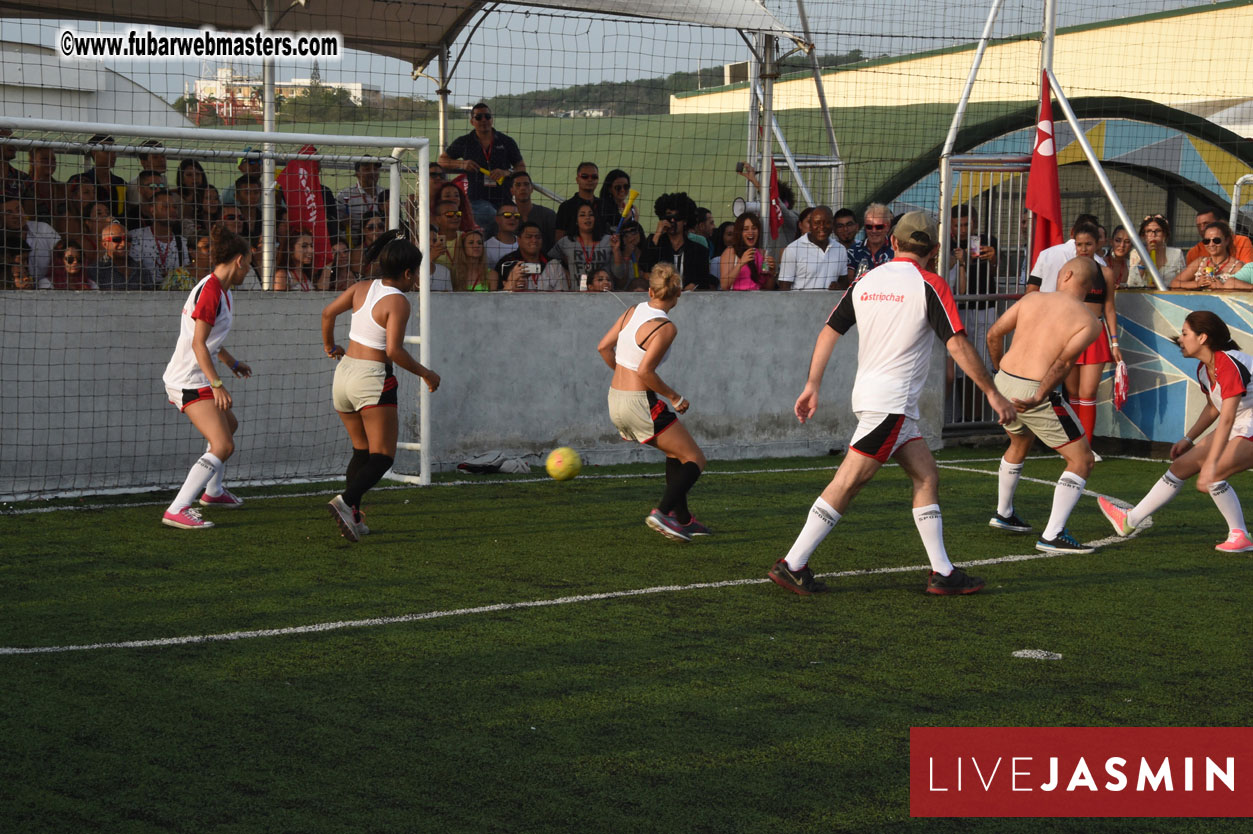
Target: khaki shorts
(1053, 421)
(639, 415)
(363, 383)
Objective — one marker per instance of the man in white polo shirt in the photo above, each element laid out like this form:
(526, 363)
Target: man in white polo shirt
(900, 307)
(811, 262)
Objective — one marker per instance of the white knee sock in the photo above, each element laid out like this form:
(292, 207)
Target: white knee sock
(822, 520)
(214, 487)
(1228, 504)
(931, 528)
(201, 472)
(1007, 483)
(1066, 495)
(1162, 493)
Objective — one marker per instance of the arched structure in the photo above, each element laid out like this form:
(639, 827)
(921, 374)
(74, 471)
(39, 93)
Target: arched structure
(1192, 159)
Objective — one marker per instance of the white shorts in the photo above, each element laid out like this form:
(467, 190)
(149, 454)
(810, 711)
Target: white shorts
(879, 435)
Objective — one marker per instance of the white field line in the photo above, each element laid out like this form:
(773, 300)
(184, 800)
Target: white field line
(472, 481)
(541, 603)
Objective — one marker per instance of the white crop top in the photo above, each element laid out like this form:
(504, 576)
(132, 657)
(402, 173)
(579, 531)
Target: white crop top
(628, 353)
(365, 330)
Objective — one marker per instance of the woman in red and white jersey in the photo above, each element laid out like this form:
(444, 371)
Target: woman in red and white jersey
(1224, 373)
(194, 386)
(364, 391)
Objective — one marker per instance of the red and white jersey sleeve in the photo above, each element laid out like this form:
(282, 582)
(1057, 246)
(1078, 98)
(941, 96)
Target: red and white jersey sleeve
(898, 308)
(1232, 370)
(207, 302)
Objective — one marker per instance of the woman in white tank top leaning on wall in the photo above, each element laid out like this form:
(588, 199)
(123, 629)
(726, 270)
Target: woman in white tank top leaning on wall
(634, 348)
(364, 392)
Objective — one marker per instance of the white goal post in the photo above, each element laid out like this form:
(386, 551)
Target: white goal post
(76, 329)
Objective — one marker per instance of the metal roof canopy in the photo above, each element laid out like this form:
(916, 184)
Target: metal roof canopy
(411, 30)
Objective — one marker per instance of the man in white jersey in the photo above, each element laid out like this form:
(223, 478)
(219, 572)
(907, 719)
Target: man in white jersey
(899, 306)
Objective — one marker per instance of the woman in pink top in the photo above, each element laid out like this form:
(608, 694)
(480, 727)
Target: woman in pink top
(744, 266)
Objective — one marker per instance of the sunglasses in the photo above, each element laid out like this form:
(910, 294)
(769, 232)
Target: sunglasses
(230, 217)
(1213, 240)
(452, 214)
(508, 215)
(69, 260)
(115, 239)
(876, 227)
(1153, 217)
(621, 187)
(483, 117)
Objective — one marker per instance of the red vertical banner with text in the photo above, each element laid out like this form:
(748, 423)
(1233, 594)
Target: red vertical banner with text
(301, 183)
(1081, 772)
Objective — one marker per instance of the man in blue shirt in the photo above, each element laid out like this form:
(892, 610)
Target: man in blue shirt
(484, 149)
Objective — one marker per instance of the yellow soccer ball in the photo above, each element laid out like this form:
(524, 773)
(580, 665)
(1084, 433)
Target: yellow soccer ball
(563, 464)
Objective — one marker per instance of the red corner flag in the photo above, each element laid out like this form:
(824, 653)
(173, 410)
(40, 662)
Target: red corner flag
(1044, 198)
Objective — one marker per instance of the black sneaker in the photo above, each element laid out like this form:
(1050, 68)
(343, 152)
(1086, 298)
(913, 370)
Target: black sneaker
(957, 582)
(1011, 523)
(797, 581)
(1063, 542)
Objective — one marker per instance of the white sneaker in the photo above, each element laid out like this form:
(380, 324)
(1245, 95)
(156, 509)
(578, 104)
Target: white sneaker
(226, 500)
(342, 513)
(187, 518)
(359, 518)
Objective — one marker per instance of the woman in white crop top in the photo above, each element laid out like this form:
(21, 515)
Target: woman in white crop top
(364, 391)
(634, 347)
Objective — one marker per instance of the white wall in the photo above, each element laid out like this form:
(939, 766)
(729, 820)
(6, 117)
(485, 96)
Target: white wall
(83, 408)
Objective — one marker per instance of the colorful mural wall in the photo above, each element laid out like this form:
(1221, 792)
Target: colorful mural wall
(1164, 399)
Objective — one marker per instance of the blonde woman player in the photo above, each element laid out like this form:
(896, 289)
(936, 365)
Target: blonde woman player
(1224, 372)
(364, 391)
(634, 348)
(194, 386)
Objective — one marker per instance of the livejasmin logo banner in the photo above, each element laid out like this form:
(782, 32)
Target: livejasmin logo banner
(1081, 772)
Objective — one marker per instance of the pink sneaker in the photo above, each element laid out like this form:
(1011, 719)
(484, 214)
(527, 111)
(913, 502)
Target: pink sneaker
(1237, 542)
(225, 500)
(1117, 516)
(187, 518)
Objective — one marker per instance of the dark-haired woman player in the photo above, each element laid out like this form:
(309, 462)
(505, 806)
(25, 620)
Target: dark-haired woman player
(194, 386)
(634, 348)
(364, 392)
(1223, 372)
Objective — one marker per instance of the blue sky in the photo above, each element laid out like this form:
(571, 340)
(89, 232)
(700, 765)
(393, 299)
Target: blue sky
(520, 49)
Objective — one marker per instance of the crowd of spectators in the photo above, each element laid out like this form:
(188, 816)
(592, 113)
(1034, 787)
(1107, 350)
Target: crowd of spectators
(94, 230)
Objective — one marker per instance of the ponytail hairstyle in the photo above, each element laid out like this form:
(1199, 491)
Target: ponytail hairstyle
(665, 282)
(395, 254)
(225, 246)
(1218, 336)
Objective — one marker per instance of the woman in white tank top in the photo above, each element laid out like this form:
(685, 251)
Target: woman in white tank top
(364, 392)
(634, 347)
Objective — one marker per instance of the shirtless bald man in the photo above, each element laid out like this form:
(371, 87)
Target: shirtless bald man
(1050, 330)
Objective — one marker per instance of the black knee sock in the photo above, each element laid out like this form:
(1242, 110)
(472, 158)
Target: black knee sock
(680, 477)
(368, 475)
(359, 457)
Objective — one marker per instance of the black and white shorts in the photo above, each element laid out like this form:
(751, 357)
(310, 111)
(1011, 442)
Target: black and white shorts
(879, 435)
